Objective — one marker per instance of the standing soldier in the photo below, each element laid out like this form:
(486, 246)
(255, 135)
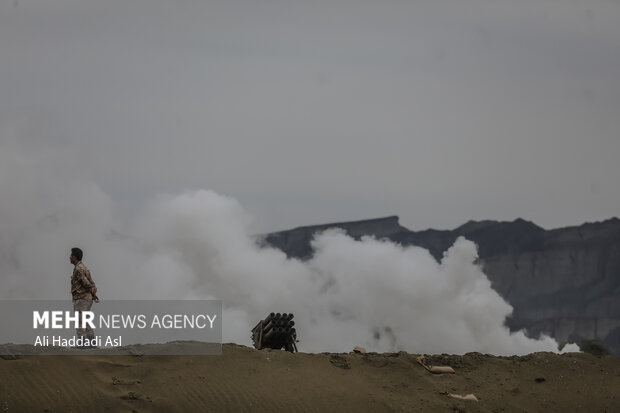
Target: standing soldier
(83, 290)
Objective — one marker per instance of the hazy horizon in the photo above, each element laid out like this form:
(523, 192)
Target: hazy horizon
(440, 229)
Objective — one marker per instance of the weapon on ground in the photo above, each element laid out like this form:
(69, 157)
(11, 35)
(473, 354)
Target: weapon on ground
(276, 331)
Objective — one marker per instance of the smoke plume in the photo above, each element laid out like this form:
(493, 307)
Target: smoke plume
(198, 244)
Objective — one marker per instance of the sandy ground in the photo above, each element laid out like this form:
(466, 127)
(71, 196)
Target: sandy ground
(243, 379)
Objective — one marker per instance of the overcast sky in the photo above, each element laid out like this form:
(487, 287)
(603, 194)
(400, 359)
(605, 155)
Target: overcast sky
(309, 112)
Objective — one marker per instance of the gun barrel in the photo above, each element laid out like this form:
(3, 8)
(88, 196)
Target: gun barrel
(270, 334)
(276, 331)
(269, 318)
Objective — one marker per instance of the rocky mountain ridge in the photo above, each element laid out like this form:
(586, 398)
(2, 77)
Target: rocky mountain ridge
(564, 282)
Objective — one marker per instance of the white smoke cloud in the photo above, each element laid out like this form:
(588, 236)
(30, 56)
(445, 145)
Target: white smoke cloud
(198, 244)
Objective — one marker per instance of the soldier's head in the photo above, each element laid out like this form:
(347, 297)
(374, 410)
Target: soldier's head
(76, 255)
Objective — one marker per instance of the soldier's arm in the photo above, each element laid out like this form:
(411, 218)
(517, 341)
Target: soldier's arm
(93, 291)
(87, 282)
(93, 287)
(84, 279)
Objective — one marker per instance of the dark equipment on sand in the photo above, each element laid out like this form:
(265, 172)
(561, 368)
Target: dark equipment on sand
(276, 332)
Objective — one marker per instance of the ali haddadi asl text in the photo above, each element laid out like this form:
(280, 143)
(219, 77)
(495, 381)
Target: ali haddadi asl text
(59, 341)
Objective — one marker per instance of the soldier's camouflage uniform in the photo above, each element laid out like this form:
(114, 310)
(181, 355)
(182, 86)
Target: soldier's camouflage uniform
(81, 286)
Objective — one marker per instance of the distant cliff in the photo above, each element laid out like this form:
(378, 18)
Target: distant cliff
(565, 282)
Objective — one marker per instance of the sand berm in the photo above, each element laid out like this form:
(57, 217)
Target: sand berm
(243, 379)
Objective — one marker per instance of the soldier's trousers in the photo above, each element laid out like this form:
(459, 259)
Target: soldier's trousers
(79, 306)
